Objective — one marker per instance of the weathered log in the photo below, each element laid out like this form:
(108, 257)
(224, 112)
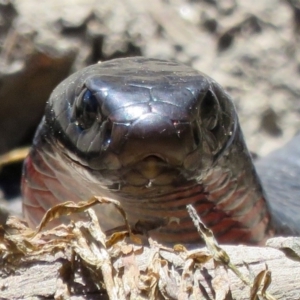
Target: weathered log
(78, 262)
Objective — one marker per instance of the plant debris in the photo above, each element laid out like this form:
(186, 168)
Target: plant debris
(118, 266)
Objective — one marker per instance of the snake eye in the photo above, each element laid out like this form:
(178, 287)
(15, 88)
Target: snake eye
(209, 111)
(87, 109)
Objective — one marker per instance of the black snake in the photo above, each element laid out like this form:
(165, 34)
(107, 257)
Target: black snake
(155, 135)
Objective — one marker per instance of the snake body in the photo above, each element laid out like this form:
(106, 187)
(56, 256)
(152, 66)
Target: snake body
(156, 136)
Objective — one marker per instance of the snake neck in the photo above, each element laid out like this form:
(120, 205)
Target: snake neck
(228, 198)
(236, 191)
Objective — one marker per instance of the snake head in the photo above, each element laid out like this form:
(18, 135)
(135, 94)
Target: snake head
(140, 123)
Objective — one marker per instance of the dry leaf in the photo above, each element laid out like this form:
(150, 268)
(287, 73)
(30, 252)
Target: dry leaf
(260, 285)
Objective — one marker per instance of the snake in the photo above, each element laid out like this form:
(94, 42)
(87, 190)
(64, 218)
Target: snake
(157, 135)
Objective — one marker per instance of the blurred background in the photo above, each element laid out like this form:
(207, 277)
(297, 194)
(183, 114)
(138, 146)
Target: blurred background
(250, 47)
